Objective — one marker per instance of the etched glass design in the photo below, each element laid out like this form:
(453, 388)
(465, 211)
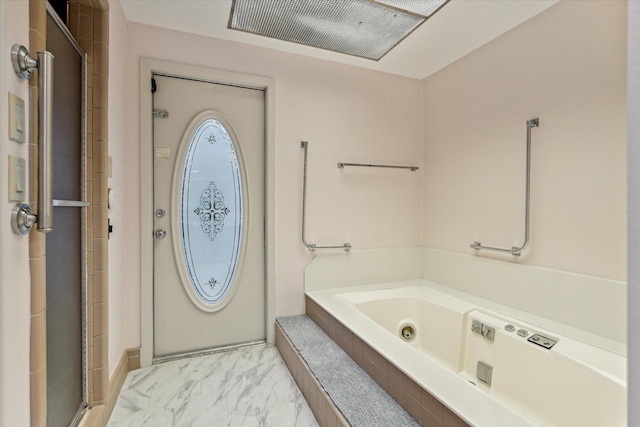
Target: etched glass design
(211, 211)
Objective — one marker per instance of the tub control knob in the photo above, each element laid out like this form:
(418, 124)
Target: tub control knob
(510, 328)
(476, 326)
(488, 332)
(522, 332)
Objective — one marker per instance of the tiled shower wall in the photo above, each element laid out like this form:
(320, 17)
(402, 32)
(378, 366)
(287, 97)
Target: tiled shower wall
(88, 23)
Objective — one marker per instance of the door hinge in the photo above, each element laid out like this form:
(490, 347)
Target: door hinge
(153, 85)
(160, 114)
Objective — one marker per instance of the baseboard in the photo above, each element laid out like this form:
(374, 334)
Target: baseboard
(98, 416)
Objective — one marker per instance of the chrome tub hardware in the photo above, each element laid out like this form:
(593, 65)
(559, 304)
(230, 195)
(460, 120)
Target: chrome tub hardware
(22, 219)
(24, 65)
(522, 332)
(488, 332)
(160, 213)
(476, 326)
(411, 168)
(480, 328)
(517, 251)
(312, 246)
(484, 372)
(542, 341)
(161, 234)
(509, 328)
(407, 332)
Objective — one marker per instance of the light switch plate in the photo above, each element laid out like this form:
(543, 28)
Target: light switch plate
(17, 179)
(17, 120)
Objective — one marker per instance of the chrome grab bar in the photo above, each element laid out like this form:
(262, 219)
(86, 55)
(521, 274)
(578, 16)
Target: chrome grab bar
(412, 168)
(45, 138)
(517, 251)
(311, 246)
(24, 65)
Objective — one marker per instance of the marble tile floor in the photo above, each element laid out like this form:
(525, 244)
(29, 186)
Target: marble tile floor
(249, 387)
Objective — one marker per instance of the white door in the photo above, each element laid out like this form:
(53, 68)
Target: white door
(209, 274)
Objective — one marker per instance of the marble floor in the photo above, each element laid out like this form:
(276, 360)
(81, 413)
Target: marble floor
(245, 387)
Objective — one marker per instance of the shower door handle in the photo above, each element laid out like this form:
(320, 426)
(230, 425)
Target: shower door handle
(24, 65)
(70, 203)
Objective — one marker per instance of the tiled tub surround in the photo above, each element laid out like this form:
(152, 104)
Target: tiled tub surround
(342, 382)
(571, 384)
(326, 413)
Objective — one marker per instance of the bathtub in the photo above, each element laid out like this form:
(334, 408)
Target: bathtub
(438, 341)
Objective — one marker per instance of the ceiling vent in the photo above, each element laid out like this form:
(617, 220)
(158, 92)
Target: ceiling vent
(363, 28)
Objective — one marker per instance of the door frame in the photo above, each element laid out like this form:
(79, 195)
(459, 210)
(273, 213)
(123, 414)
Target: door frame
(148, 67)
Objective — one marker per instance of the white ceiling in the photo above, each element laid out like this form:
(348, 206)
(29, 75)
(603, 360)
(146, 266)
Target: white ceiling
(457, 29)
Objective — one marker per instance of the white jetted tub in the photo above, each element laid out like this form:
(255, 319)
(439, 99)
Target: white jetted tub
(490, 369)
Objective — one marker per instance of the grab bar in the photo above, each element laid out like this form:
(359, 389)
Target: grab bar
(412, 168)
(23, 64)
(533, 123)
(311, 246)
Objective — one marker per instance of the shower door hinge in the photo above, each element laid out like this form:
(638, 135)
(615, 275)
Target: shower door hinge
(160, 114)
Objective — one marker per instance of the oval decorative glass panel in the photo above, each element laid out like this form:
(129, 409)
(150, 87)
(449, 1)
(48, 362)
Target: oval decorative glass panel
(211, 211)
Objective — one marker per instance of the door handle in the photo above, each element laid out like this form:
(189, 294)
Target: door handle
(71, 203)
(161, 234)
(24, 65)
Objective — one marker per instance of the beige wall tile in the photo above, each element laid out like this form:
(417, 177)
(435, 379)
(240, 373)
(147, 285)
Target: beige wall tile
(100, 356)
(38, 341)
(412, 388)
(87, 47)
(100, 384)
(100, 259)
(101, 60)
(38, 393)
(99, 118)
(37, 245)
(73, 21)
(99, 194)
(101, 26)
(86, 27)
(100, 319)
(38, 271)
(100, 286)
(38, 15)
(100, 223)
(433, 405)
(452, 420)
(86, 9)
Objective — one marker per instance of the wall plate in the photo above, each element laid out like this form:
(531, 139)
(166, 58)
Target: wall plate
(17, 179)
(17, 120)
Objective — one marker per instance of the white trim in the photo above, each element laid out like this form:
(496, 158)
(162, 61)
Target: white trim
(4, 385)
(147, 68)
(633, 215)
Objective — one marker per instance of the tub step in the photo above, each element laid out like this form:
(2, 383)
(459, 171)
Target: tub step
(356, 395)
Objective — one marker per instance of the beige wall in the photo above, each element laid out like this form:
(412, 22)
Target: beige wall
(346, 114)
(14, 250)
(117, 240)
(633, 95)
(566, 66)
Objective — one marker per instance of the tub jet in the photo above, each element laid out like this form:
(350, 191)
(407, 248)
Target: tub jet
(407, 332)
